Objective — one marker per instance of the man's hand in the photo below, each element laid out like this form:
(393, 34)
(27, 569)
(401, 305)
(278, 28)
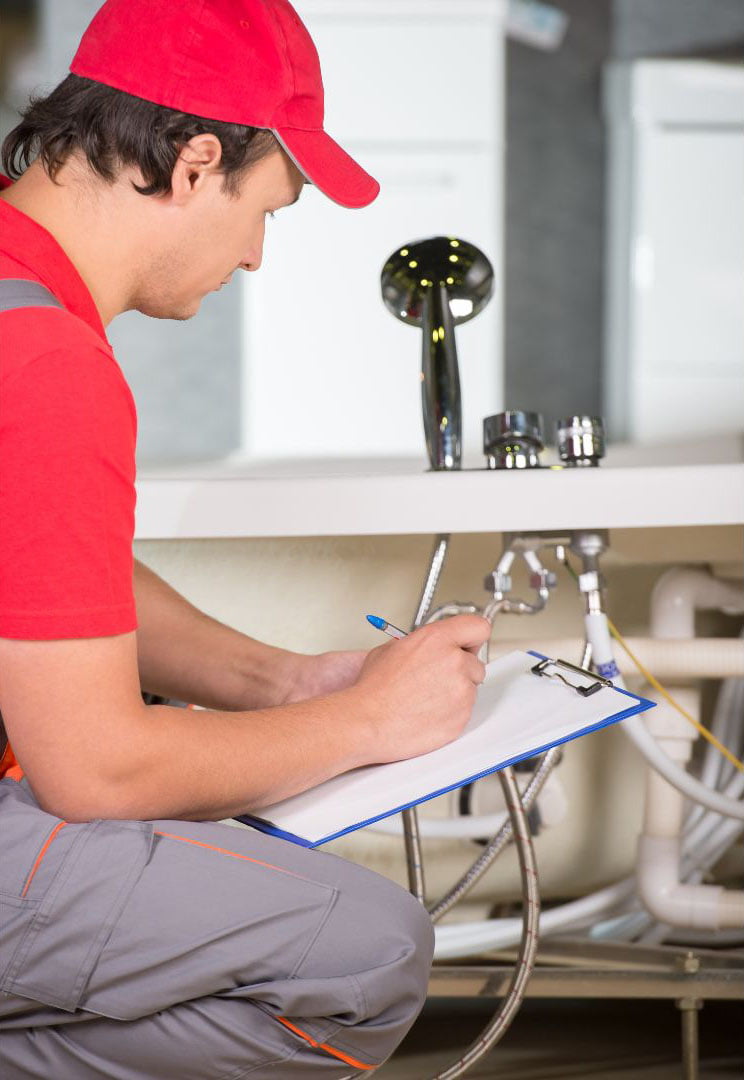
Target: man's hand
(417, 693)
(315, 676)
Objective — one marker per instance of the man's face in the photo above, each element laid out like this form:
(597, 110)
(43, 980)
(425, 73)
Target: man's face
(210, 236)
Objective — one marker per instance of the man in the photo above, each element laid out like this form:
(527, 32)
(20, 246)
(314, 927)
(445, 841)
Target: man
(140, 938)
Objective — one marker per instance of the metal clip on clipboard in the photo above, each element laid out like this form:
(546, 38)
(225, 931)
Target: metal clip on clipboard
(585, 691)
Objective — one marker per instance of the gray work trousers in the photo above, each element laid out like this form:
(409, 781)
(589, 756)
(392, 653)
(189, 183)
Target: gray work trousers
(173, 950)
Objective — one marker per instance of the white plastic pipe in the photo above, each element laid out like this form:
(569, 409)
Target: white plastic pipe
(469, 939)
(704, 841)
(658, 868)
(682, 591)
(689, 658)
(702, 907)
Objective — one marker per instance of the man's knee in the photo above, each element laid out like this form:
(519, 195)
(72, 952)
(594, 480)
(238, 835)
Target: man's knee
(411, 939)
(391, 939)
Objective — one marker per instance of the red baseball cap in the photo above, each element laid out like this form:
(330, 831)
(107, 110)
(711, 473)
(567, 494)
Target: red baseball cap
(246, 62)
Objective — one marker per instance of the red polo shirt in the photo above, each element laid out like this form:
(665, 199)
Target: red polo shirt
(67, 442)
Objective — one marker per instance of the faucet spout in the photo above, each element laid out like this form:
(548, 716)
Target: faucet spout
(440, 382)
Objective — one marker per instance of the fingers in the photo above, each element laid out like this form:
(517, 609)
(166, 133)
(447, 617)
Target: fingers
(467, 631)
(453, 642)
(470, 633)
(475, 669)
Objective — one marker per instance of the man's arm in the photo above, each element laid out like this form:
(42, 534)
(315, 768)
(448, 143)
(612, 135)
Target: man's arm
(188, 656)
(91, 748)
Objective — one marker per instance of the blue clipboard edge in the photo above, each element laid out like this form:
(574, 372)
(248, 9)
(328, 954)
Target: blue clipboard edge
(641, 705)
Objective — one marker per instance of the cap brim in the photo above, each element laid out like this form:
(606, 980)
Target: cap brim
(322, 161)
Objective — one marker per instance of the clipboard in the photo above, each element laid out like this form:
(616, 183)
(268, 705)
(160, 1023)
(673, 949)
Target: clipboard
(522, 709)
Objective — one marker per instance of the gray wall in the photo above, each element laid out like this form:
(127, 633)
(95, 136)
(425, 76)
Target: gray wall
(554, 211)
(658, 27)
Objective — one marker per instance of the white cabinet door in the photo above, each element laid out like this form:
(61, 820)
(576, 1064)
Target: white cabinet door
(675, 316)
(328, 371)
(690, 293)
(415, 91)
(435, 79)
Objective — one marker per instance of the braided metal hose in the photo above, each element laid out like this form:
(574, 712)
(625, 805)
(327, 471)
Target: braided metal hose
(494, 848)
(436, 565)
(506, 1012)
(414, 856)
(517, 828)
(411, 834)
(533, 789)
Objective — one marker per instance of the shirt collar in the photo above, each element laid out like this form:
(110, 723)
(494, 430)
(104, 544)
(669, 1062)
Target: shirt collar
(32, 246)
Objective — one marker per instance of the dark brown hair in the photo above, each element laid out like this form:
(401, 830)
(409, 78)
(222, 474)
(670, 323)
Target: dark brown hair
(113, 129)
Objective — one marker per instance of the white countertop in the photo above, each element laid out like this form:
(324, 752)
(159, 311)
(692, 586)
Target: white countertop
(685, 485)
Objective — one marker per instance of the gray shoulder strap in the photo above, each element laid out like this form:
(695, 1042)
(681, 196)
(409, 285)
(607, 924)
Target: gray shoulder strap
(17, 293)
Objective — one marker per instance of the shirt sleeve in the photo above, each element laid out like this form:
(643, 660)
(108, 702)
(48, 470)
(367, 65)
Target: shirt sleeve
(67, 497)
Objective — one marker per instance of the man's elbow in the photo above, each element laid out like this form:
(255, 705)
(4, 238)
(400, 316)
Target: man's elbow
(78, 791)
(82, 800)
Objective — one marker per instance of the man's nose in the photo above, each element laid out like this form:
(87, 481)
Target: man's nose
(253, 260)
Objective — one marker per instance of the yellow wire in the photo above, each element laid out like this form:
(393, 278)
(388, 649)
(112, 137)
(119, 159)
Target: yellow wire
(657, 686)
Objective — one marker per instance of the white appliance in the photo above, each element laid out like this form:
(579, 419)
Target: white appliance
(674, 320)
(415, 90)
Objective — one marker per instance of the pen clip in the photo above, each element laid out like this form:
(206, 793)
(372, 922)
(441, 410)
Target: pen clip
(586, 691)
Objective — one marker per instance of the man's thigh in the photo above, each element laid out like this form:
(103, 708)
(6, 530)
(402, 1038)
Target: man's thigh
(319, 946)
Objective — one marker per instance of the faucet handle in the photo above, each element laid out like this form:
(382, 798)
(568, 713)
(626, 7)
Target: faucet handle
(581, 440)
(513, 440)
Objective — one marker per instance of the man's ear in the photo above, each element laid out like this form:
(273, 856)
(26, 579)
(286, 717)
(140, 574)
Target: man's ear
(198, 161)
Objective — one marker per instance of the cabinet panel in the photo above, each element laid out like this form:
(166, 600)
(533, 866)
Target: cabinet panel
(409, 80)
(328, 372)
(675, 270)
(691, 295)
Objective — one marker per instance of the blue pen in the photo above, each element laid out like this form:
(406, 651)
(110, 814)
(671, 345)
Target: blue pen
(386, 627)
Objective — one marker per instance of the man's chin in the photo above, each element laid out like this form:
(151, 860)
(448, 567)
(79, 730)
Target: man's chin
(176, 314)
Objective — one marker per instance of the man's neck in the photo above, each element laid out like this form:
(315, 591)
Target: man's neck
(83, 214)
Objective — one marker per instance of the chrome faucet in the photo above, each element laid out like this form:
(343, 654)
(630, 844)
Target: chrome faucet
(436, 284)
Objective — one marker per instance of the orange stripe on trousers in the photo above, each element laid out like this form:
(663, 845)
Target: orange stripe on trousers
(41, 855)
(324, 1046)
(224, 851)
